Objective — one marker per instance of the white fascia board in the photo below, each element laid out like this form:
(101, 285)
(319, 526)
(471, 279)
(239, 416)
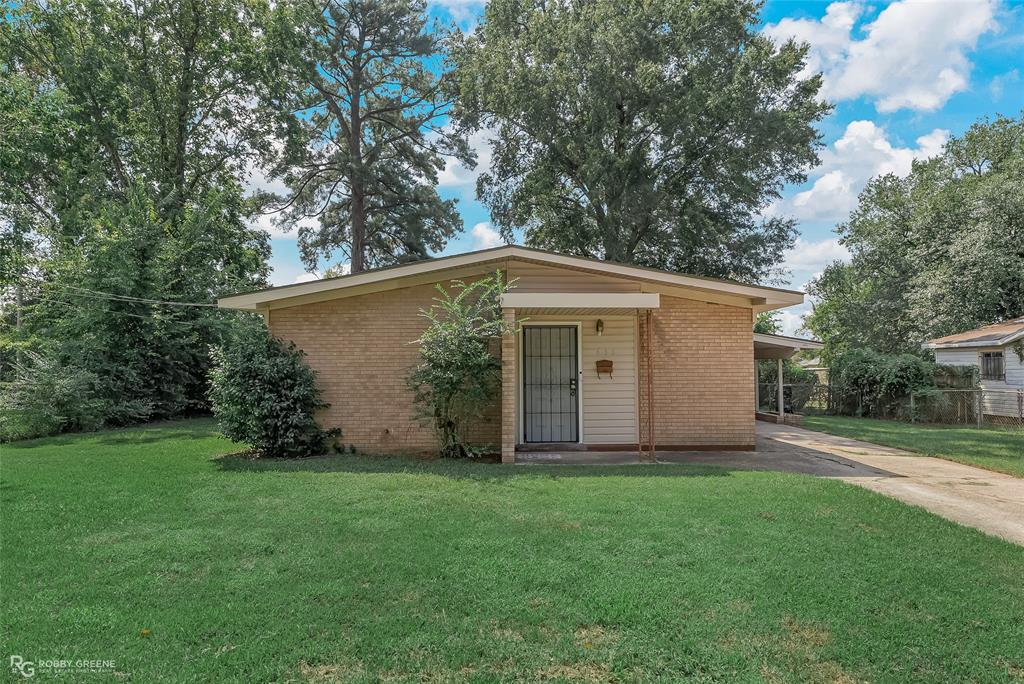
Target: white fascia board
(580, 300)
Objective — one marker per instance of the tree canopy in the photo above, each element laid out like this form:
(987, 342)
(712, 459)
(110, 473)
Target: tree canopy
(935, 253)
(365, 112)
(646, 131)
(128, 126)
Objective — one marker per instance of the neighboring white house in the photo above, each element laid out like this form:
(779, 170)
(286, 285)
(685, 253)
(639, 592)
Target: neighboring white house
(996, 350)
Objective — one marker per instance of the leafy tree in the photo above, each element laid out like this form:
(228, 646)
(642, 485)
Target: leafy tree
(133, 124)
(935, 253)
(367, 135)
(767, 323)
(869, 383)
(459, 376)
(265, 395)
(45, 396)
(645, 131)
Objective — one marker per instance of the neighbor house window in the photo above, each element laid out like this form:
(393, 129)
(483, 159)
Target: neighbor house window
(992, 366)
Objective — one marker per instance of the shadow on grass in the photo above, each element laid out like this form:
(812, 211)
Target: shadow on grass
(460, 470)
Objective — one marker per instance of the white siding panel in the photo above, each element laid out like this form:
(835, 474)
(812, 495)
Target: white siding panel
(1014, 369)
(609, 403)
(956, 357)
(1001, 398)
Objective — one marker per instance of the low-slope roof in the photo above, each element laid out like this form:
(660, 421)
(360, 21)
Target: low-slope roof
(768, 346)
(994, 335)
(761, 298)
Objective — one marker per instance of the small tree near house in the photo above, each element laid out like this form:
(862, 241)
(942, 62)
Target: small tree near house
(458, 375)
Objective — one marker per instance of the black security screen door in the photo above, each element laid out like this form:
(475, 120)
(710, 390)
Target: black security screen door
(550, 374)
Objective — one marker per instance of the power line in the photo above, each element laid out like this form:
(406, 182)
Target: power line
(118, 297)
(143, 300)
(150, 317)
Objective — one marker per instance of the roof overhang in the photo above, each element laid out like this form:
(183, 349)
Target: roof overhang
(976, 344)
(781, 346)
(757, 297)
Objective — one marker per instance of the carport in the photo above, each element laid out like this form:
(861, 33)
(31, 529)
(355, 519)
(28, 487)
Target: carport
(777, 348)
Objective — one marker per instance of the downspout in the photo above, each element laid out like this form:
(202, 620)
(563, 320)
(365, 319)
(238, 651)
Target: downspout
(650, 388)
(638, 359)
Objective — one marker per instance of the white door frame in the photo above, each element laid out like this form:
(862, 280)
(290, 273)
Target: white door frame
(521, 428)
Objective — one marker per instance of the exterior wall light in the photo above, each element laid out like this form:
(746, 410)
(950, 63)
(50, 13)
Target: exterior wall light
(600, 327)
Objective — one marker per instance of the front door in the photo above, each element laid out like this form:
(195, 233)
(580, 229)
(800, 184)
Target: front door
(550, 377)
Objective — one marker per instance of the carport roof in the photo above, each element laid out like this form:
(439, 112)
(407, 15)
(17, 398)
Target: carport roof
(781, 346)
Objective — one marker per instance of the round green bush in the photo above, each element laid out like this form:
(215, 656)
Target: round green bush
(265, 395)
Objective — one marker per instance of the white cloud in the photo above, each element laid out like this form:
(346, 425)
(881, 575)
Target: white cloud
(455, 175)
(338, 270)
(999, 84)
(462, 11)
(258, 181)
(913, 55)
(863, 151)
(806, 255)
(307, 277)
(485, 237)
(265, 222)
(791, 320)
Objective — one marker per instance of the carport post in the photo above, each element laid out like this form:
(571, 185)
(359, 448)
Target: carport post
(782, 402)
(757, 385)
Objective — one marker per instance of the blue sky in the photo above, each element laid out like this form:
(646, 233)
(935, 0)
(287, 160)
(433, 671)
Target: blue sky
(903, 76)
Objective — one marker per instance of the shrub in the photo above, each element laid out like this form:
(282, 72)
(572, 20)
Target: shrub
(458, 376)
(870, 383)
(46, 397)
(792, 373)
(265, 395)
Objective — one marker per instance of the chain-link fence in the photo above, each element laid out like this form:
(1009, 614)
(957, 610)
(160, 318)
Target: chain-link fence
(972, 407)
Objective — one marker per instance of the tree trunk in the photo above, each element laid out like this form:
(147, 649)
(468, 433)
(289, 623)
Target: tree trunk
(356, 175)
(358, 263)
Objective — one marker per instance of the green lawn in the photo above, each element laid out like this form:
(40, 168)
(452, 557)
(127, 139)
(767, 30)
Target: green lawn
(351, 569)
(1000, 449)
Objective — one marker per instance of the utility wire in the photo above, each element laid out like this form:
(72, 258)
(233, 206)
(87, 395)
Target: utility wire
(121, 298)
(150, 317)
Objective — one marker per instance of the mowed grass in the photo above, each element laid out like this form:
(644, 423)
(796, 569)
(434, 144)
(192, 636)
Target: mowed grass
(1000, 449)
(351, 569)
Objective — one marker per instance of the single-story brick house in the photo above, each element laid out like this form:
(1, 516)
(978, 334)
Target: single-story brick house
(608, 357)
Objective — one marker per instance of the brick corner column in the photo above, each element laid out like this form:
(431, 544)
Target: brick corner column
(508, 391)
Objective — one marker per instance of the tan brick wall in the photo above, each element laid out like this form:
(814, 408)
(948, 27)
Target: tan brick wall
(703, 374)
(360, 348)
(508, 394)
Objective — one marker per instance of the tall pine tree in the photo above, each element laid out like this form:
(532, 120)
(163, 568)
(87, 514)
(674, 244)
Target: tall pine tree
(367, 131)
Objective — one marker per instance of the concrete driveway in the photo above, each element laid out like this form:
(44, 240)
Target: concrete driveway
(991, 502)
